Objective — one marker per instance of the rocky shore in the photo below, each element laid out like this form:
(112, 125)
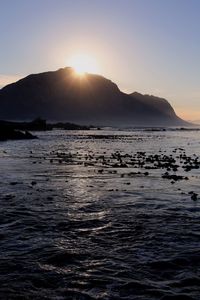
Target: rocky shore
(12, 134)
(20, 130)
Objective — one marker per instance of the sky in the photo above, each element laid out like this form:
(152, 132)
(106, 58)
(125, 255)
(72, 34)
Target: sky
(149, 46)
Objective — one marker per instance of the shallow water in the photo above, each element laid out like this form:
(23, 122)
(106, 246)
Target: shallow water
(77, 224)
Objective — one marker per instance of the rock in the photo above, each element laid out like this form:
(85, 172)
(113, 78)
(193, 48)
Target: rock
(33, 183)
(7, 133)
(194, 196)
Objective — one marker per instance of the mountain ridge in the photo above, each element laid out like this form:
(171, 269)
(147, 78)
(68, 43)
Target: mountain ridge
(90, 99)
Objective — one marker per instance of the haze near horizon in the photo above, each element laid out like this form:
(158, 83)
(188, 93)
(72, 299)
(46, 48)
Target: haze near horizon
(147, 46)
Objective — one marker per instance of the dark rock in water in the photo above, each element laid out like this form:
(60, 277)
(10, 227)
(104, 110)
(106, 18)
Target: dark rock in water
(14, 183)
(90, 99)
(193, 195)
(33, 183)
(12, 134)
(173, 177)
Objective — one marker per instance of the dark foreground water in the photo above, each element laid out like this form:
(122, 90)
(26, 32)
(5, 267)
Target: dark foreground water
(100, 215)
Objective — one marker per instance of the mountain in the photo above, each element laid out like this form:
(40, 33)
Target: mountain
(90, 99)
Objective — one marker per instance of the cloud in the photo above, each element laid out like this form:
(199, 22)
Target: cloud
(6, 79)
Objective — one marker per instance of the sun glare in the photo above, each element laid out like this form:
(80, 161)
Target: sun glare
(84, 64)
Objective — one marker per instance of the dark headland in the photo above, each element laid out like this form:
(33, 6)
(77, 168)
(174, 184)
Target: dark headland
(62, 96)
(10, 130)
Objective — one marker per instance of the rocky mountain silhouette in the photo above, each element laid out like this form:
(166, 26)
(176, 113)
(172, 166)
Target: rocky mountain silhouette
(62, 95)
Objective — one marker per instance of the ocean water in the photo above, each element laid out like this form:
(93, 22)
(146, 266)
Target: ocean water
(100, 215)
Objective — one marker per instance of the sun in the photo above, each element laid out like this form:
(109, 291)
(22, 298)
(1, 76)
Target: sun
(83, 63)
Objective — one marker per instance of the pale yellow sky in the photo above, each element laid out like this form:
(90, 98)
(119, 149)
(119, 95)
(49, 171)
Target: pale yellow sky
(6, 79)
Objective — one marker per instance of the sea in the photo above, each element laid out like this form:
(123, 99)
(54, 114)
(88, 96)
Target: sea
(101, 214)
